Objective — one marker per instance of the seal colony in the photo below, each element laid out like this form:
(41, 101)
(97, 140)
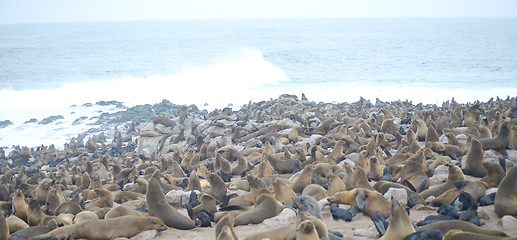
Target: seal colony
(286, 168)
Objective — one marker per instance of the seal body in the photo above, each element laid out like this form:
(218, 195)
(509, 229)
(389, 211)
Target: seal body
(125, 226)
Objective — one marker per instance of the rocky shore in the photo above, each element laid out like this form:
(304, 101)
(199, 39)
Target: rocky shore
(275, 149)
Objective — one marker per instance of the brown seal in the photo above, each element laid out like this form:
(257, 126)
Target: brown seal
(505, 202)
(306, 231)
(454, 174)
(447, 225)
(15, 224)
(413, 172)
(20, 205)
(335, 185)
(475, 160)
(303, 179)
(4, 228)
(400, 225)
(85, 216)
(283, 192)
(158, 206)
(34, 213)
(68, 207)
(125, 226)
(501, 141)
(105, 199)
(316, 191)
(122, 211)
(456, 234)
(265, 207)
(224, 229)
(217, 187)
(368, 201)
(495, 174)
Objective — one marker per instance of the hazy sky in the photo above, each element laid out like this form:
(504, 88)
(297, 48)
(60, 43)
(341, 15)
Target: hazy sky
(23, 11)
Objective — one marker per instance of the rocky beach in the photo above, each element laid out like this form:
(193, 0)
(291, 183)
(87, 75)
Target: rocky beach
(355, 161)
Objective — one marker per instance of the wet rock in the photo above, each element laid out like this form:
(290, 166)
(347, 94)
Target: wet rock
(50, 119)
(5, 123)
(398, 194)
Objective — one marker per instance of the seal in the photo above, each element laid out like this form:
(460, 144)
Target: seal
(20, 205)
(265, 207)
(283, 166)
(495, 174)
(122, 211)
(475, 160)
(447, 225)
(61, 233)
(400, 224)
(319, 225)
(34, 213)
(413, 172)
(15, 223)
(68, 207)
(454, 174)
(283, 192)
(501, 141)
(316, 191)
(105, 199)
(4, 228)
(217, 188)
(158, 206)
(306, 231)
(505, 202)
(335, 184)
(303, 179)
(125, 226)
(85, 216)
(224, 229)
(368, 201)
(308, 204)
(456, 234)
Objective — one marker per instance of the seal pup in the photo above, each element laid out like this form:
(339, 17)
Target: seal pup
(505, 202)
(158, 206)
(125, 226)
(400, 225)
(475, 160)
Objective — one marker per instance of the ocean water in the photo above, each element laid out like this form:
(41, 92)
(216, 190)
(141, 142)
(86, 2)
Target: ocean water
(54, 68)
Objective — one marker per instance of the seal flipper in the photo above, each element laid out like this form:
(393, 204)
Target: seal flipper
(386, 174)
(360, 199)
(232, 207)
(422, 186)
(380, 223)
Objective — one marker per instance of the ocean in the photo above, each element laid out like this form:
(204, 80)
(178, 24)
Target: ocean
(51, 69)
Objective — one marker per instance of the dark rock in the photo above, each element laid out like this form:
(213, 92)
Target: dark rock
(50, 119)
(5, 123)
(79, 120)
(32, 120)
